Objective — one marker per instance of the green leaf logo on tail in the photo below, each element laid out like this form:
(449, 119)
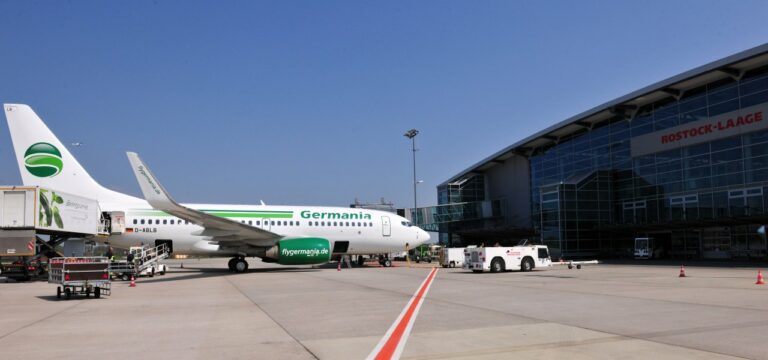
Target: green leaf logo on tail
(43, 160)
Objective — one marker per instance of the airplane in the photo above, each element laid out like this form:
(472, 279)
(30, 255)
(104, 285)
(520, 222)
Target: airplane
(287, 235)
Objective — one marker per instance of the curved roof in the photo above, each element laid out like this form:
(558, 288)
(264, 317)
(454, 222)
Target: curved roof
(733, 66)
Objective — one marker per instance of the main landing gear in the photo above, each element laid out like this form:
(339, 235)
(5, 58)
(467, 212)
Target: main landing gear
(238, 265)
(384, 261)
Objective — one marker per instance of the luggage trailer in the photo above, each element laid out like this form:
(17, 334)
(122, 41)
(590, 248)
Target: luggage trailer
(80, 275)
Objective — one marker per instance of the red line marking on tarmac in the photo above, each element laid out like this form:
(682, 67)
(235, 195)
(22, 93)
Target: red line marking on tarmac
(392, 344)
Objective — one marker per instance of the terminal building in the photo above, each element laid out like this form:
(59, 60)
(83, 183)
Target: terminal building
(683, 162)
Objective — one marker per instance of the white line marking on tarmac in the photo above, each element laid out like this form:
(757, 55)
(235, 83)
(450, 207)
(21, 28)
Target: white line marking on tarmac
(392, 344)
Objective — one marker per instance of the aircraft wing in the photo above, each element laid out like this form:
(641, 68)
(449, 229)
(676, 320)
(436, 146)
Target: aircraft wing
(220, 229)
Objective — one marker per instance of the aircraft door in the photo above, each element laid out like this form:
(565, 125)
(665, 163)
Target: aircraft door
(386, 228)
(265, 224)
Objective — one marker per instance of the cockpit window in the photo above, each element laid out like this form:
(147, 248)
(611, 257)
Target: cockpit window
(406, 223)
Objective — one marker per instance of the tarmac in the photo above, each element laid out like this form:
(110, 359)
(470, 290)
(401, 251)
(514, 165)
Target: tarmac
(274, 312)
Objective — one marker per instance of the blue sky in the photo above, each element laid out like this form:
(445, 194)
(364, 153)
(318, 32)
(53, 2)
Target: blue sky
(305, 102)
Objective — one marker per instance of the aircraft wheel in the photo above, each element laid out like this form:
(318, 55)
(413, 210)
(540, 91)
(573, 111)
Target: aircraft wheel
(453, 264)
(360, 260)
(387, 263)
(67, 293)
(97, 292)
(241, 266)
(231, 264)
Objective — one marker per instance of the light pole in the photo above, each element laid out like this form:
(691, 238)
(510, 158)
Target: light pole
(411, 134)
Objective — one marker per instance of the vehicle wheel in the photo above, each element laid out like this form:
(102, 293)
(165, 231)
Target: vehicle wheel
(97, 292)
(578, 267)
(231, 264)
(418, 260)
(429, 260)
(152, 272)
(125, 277)
(387, 263)
(570, 267)
(526, 265)
(477, 271)
(58, 292)
(67, 293)
(360, 260)
(452, 264)
(241, 266)
(87, 292)
(497, 265)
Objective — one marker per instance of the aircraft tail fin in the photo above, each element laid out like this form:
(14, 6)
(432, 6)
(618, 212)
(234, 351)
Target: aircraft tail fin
(44, 161)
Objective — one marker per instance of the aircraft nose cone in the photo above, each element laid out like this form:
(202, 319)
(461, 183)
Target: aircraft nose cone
(423, 237)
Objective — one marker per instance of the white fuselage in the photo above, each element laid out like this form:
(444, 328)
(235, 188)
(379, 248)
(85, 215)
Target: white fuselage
(367, 231)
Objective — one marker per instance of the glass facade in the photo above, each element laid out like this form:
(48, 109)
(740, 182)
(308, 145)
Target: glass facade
(590, 196)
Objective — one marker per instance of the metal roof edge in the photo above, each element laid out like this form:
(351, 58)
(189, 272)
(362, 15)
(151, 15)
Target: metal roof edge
(700, 70)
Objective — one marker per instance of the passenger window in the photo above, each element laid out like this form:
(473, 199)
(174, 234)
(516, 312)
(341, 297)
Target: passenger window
(315, 223)
(250, 222)
(297, 223)
(370, 224)
(172, 221)
(157, 221)
(272, 223)
(186, 222)
(291, 223)
(358, 224)
(165, 222)
(334, 223)
(322, 223)
(142, 221)
(258, 222)
(135, 221)
(310, 223)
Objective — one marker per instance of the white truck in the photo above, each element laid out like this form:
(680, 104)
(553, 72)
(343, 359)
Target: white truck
(452, 257)
(524, 257)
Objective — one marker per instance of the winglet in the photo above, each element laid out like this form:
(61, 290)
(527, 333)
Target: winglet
(153, 191)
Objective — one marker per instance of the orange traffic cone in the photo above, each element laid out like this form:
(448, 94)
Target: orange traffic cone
(760, 278)
(682, 271)
(133, 281)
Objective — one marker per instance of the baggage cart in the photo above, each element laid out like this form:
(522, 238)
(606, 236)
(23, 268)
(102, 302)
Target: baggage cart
(80, 275)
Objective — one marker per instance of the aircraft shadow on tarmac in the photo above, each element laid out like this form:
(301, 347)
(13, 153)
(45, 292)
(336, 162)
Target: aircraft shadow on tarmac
(191, 273)
(74, 298)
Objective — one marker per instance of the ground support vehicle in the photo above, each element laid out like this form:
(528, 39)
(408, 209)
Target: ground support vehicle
(425, 253)
(500, 259)
(26, 212)
(80, 275)
(452, 257)
(145, 262)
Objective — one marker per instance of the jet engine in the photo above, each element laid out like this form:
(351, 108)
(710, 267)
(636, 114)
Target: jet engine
(300, 251)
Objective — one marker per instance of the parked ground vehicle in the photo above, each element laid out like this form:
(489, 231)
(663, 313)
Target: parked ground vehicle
(145, 261)
(425, 253)
(80, 275)
(452, 257)
(523, 257)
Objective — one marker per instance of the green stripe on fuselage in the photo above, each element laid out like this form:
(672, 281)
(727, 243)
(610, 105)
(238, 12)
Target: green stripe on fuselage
(225, 213)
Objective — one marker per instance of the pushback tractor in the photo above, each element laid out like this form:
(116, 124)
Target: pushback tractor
(523, 257)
